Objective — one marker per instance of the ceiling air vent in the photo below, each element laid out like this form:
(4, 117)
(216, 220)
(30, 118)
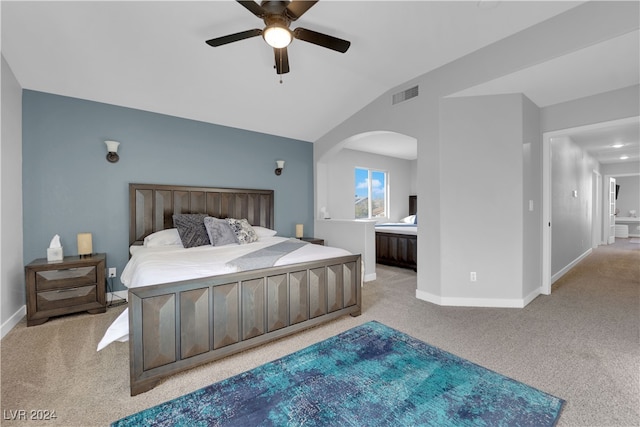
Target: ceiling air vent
(412, 92)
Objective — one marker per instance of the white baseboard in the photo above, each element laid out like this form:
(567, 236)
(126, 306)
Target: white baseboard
(475, 302)
(496, 302)
(22, 311)
(13, 321)
(569, 266)
(533, 295)
(369, 277)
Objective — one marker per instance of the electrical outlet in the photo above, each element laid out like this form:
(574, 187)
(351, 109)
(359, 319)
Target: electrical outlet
(472, 276)
(112, 272)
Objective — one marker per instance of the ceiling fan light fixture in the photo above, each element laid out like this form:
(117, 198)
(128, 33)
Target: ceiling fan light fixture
(277, 36)
(277, 16)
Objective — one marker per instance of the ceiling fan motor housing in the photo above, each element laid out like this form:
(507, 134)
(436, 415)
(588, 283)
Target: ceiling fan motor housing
(276, 32)
(275, 7)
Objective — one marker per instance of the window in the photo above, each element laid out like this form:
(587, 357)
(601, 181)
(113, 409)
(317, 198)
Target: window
(371, 194)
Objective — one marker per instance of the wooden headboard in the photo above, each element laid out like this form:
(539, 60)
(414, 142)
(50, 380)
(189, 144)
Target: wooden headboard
(413, 205)
(151, 206)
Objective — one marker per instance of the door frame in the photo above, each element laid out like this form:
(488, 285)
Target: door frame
(596, 208)
(610, 235)
(605, 200)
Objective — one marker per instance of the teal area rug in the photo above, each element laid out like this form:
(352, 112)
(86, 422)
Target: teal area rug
(371, 375)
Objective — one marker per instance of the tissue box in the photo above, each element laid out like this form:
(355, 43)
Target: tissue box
(54, 254)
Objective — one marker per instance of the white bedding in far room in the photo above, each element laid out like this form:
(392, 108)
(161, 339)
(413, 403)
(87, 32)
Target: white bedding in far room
(398, 228)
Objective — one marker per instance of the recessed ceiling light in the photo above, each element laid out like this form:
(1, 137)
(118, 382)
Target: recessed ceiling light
(618, 145)
(624, 157)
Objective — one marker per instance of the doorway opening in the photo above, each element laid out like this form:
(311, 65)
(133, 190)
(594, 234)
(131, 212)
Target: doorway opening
(598, 199)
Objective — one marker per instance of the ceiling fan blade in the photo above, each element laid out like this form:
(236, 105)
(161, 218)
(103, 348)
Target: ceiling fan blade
(282, 60)
(219, 41)
(295, 9)
(320, 39)
(253, 7)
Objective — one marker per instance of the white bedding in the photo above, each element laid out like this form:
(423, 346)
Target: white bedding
(165, 264)
(399, 228)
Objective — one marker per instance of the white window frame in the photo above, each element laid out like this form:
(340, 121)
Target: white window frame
(370, 172)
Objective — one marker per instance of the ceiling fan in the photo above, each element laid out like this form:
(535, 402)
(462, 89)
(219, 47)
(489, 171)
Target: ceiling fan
(277, 16)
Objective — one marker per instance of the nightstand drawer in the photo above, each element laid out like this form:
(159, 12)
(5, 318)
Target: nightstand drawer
(51, 300)
(65, 278)
(72, 285)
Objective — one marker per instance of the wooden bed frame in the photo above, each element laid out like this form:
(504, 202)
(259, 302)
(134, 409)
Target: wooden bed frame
(181, 325)
(399, 250)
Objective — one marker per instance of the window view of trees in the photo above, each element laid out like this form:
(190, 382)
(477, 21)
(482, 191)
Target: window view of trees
(371, 194)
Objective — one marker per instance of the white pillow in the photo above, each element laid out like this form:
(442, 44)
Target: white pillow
(264, 232)
(411, 219)
(166, 237)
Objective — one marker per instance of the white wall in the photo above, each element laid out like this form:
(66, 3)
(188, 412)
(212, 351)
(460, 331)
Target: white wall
(571, 213)
(419, 117)
(413, 189)
(532, 217)
(481, 203)
(356, 236)
(603, 107)
(341, 179)
(627, 168)
(12, 293)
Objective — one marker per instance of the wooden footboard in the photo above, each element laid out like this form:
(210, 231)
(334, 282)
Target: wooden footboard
(178, 326)
(399, 250)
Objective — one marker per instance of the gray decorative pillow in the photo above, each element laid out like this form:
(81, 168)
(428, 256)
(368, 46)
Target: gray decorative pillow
(243, 231)
(191, 229)
(219, 231)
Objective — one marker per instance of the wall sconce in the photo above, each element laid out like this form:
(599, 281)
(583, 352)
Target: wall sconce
(279, 167)
(112, 148)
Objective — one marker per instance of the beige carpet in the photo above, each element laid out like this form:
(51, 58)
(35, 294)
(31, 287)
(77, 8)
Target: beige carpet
(581, 344)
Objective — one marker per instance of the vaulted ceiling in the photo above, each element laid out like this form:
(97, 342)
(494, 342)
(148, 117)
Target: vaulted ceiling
(151, 55)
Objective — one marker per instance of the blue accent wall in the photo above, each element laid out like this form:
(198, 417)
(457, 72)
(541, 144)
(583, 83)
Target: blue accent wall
(69, 187)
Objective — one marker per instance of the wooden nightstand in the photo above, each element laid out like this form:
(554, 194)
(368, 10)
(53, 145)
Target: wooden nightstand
(68, 286)
(312, 240)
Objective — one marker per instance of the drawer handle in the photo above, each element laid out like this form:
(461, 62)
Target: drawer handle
(61, 291)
